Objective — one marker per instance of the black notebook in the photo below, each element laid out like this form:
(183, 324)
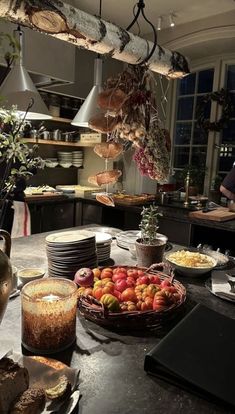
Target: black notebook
(198, 355)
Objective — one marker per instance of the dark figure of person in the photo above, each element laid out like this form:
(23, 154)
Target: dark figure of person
(227, 187)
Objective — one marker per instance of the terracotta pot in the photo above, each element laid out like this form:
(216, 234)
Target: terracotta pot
(5, 272)
(147, 254)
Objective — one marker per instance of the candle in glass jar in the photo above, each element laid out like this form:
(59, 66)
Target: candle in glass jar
(49, 314)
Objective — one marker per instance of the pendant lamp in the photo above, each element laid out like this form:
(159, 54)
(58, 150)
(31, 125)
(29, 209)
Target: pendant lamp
(89, 107)
(18, 89)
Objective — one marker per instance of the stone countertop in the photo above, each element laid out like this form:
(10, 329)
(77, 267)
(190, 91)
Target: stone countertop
(112, 378)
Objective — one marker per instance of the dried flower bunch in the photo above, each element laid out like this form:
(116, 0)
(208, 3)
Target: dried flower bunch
(149, 224)
(130, 115)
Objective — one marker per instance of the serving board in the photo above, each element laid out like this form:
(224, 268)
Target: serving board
(220, 214)
(44, 196)
(132, 200)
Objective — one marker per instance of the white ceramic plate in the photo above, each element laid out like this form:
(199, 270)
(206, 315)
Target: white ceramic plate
(69, 236)
(45, 372)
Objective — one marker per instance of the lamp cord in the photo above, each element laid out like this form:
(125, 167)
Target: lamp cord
(140, 5)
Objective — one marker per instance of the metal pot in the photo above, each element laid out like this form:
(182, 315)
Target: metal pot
(5, 272)
(45, 134)
(231, 205)
(56, 135)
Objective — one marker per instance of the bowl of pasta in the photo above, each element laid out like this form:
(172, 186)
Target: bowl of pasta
(191, 263)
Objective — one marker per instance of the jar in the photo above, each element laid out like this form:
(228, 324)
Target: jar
(66, 109)
(54, 106)
(49, 309)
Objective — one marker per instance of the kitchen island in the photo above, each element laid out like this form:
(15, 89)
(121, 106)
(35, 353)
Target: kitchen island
(48, 215)
(112, 378)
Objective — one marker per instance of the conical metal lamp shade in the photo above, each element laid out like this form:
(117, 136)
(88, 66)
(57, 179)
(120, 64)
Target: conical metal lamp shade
(18, 89)
(89, 107)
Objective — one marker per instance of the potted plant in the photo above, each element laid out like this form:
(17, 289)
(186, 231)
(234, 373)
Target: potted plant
(150, 247)
(17, 162)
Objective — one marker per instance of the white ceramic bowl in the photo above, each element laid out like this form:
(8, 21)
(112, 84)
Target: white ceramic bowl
(210, 263)
(30, 273)
(65, 164)
(51, 164)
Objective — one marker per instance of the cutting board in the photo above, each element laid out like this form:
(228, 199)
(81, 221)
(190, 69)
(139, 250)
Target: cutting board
(44, 196)
(220, 214)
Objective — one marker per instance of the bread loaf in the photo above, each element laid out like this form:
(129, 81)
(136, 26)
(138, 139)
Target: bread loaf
(31, 401)
(105, 199)
(108, 150)
(112, 99)
(103, 124)
(14, 379)
(105, 177)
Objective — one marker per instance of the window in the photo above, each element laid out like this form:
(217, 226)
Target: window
(227, 138)
(190, 142)
(213, 151)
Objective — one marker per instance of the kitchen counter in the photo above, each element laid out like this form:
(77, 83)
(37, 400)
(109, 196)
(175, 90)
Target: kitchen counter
(112, 378)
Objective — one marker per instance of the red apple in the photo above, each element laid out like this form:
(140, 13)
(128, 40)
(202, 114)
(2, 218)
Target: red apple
(84, 277)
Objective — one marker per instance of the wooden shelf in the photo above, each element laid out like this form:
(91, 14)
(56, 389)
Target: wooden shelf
(61, 143)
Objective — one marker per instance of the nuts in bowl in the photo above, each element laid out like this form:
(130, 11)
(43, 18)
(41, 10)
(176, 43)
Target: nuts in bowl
(190, 263)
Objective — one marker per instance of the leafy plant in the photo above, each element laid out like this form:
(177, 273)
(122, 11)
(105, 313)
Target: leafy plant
(16, 158)
(9, 49)
(149, 224)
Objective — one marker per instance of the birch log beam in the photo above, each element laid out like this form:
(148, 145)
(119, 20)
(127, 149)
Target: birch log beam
(58, 19)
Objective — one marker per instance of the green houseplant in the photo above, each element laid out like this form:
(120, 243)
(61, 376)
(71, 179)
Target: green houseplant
(150, 247)
(17, 160)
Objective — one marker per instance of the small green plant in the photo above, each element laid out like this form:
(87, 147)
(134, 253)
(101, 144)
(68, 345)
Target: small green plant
(149, 224)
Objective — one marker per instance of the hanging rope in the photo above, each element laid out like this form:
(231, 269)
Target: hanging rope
(140, 9)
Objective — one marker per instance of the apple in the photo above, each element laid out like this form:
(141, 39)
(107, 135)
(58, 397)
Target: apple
(84, 277)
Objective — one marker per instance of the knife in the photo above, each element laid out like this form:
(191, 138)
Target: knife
(68, 406)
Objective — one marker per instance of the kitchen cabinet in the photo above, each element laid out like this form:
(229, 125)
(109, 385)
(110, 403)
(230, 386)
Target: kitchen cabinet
(52, 216)
(177, 231)
(57, 216)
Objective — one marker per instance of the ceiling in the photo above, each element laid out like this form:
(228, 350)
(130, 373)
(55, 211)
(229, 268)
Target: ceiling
(121, 12)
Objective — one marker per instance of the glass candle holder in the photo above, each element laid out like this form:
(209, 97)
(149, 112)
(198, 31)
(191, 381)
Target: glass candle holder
(48, 315)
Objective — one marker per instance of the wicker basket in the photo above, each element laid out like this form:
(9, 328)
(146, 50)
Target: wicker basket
(95, 311)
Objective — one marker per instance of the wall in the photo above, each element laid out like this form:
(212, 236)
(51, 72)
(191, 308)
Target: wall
(38, 56)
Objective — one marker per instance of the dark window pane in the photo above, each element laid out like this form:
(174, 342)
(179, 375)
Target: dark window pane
(228, 134)
(204, 108)
(185, 108)
(226, 158)
(187, 85)
(232, 95)
(199, 156)
(231, 78)
(200, 136)
(183, 133)
(181, 157)
(205, 80)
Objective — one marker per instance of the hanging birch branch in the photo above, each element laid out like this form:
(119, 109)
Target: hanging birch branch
(58, 19)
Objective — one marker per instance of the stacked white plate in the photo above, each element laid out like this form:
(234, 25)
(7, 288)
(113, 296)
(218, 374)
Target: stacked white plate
(77, 158)
(69, 251)
(103, 245)
(125, 238)
(65, 159)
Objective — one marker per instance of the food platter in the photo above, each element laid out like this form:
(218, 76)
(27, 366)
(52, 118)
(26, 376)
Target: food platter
(44, 372)
(191, 263)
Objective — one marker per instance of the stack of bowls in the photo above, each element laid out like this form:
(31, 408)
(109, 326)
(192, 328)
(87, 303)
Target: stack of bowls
(65, 159)
(69, 251)
(77, 158)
